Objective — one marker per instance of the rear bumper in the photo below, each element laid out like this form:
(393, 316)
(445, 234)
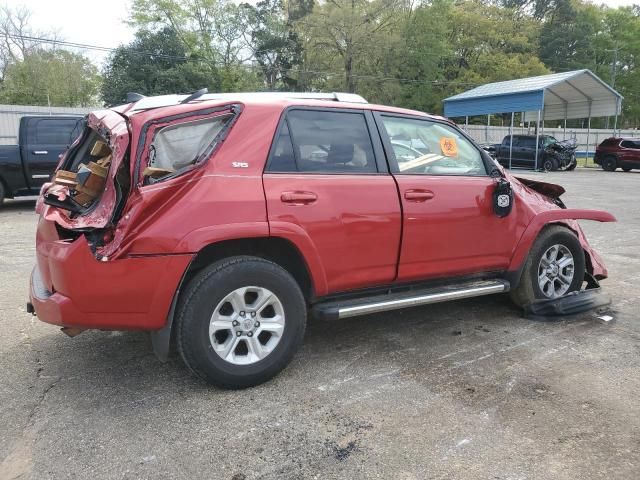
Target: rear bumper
(597, 158)
(76, 290)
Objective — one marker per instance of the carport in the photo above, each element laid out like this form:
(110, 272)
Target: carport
(567, 95)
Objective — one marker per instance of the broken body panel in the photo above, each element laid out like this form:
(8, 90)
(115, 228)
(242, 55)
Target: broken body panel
(119, 263)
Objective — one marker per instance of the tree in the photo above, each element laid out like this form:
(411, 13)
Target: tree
(155, 63)
(17, 37)
(215, 31)
(348, 34)
(274, 43)
(54, 77)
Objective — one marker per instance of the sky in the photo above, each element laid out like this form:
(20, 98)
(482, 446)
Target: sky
(80, 20)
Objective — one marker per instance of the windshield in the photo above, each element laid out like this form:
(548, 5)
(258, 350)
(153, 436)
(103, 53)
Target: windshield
(549, 140)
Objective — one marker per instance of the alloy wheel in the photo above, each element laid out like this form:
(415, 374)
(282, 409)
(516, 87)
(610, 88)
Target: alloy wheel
(556, 271)
(247, 325)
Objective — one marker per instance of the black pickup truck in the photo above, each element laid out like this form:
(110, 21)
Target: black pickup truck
(25, 167)
(552, 154)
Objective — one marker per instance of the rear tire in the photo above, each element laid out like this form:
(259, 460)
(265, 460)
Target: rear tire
(550, 164)
(1, 194)
(240, 322)
(609, 164)
(544, 279)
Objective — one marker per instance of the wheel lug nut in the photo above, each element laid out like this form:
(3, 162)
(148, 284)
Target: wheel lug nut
(253, 314)
(239, 334)
(249, 334)
(235, 323)
(257, 324)
(242, 314)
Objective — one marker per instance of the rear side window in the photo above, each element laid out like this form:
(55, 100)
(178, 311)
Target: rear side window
(527, 142)
(55, 131)
(177, 146)
(317, 141)
(630, 144)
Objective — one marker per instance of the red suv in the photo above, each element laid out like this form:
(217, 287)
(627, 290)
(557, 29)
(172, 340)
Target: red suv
(220, 220)
(615, 153)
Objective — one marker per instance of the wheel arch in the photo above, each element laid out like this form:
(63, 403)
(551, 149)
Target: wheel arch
(276, 249)
(562, 217)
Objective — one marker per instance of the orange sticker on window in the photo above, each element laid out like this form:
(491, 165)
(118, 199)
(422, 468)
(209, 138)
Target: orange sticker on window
(449, 147)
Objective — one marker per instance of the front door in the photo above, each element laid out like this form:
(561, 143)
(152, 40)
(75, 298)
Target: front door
(630, 153)
(449, 227)
(328, 192)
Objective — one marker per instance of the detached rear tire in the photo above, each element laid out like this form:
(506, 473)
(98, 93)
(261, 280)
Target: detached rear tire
(240, 322)
(555, 267)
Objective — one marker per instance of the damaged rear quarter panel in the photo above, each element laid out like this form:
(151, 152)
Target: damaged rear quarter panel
(204, 205)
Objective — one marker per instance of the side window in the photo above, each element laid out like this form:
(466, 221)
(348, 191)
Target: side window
(323, 142)
(54, 132)
(528, 142)
(177, 146)
(630, 144)
(431, 148)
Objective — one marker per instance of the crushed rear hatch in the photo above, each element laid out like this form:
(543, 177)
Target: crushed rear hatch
(89, 183)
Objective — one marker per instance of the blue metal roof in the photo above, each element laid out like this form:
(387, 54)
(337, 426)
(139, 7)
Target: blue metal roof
(569, 93)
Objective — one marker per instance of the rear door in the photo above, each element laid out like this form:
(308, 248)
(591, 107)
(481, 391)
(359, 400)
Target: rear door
(42, 140)
(449, 227)
(328, 190)
(527, 149)
(516, 151)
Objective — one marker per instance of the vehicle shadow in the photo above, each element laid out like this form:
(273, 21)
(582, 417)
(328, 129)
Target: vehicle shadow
(104, 367)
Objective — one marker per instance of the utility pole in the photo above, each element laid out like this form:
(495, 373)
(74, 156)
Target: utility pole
(614, 70)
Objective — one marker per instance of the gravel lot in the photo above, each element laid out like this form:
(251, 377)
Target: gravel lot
(450, 391)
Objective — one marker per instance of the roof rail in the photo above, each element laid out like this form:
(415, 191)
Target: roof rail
(147, 103)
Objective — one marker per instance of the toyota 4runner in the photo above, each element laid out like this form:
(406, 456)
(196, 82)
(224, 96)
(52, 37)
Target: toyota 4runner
(221, 220)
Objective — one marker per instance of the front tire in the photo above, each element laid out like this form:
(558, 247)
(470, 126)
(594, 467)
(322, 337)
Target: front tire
(240, 322)
(572, 164)
(555, 267)
(626, 169)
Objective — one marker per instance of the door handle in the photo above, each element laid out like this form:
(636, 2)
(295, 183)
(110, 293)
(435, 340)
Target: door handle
(40, 152)
(418, 195)
(298, 198)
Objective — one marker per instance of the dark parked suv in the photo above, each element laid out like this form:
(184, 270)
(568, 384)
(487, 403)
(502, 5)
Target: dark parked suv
(615, 153)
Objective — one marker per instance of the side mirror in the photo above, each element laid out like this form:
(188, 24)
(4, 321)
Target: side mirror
(502, 198)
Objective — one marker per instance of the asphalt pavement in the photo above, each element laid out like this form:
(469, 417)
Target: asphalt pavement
(464, 390)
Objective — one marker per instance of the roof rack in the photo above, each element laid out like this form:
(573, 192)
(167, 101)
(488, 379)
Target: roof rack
(158, 101)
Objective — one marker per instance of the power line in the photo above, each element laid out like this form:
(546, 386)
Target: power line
(87, 46)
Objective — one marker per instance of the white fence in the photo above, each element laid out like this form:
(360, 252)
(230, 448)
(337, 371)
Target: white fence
(10, 118)
(484, 134)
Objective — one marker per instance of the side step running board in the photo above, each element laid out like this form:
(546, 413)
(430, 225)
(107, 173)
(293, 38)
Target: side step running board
(337, 309)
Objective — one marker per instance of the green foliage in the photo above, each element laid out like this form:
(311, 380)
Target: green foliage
(156, 63)
(55, 77)
(275, 44)
(401, 52)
